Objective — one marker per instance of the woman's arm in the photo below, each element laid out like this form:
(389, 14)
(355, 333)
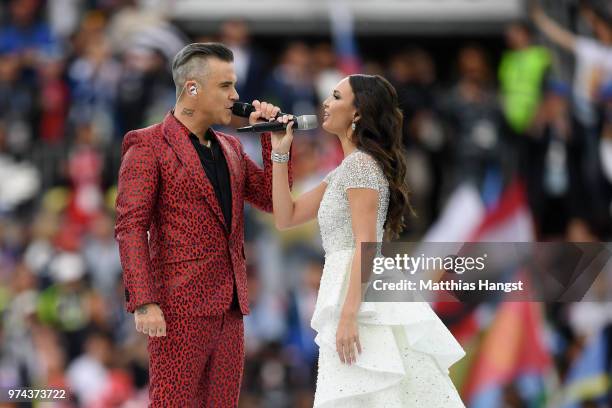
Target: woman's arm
(288, 212)
(363, 203)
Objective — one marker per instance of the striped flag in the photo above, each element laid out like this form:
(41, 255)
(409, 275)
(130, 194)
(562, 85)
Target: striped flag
(343, 37)
(589, 376)
(511, 348)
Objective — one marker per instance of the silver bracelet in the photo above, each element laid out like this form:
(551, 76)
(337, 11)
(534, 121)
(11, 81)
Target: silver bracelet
(279, 157)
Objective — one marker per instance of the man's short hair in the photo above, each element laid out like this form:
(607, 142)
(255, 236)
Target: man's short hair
(191, 61)
(526, 26)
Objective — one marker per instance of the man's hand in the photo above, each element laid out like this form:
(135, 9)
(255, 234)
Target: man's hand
(534, 8)
(263, 110)
(149, 320)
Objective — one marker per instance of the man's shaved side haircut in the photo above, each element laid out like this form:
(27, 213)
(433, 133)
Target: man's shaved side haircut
(192, 62)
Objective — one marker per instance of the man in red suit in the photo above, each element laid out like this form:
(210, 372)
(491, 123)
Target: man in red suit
(182, 187)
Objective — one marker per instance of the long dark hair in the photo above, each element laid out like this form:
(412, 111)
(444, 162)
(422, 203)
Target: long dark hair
(379, 133)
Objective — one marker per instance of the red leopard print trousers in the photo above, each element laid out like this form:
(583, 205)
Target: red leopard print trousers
(198, 363)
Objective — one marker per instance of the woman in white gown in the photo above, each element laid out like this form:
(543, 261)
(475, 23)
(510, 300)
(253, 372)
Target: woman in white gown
(370, 354)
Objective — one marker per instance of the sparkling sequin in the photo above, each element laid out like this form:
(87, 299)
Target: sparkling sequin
(357, 170)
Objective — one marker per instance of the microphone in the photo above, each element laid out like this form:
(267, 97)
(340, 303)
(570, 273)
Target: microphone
(304, 122)
(244, 109)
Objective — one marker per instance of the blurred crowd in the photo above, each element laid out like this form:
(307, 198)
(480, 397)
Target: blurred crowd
(75, 76)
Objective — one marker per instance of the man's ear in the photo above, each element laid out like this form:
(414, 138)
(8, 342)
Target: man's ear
(192, 87)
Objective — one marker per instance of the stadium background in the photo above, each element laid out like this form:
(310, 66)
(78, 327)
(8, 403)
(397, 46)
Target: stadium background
(504, 135)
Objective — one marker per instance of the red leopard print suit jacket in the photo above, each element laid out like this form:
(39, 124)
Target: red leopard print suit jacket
(175, 248)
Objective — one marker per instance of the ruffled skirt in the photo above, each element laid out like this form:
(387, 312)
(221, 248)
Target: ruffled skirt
(406, 350)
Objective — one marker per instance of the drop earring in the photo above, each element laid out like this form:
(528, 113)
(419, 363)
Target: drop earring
(353, 125)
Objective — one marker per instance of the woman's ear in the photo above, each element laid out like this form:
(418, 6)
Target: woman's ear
(356, 117)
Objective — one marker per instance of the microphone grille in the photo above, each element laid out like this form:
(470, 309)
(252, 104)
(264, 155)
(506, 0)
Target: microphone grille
(306, 122)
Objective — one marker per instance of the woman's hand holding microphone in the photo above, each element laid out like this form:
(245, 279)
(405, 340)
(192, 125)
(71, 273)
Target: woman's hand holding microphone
(281, 141)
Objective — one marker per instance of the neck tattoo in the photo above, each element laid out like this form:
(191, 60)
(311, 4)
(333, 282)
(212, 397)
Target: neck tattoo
(187, 112)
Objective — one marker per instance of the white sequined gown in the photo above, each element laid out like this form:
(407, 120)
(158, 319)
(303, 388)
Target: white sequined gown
(406, 349)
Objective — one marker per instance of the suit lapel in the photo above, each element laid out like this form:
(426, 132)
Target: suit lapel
(233, 163)
(177, 136)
